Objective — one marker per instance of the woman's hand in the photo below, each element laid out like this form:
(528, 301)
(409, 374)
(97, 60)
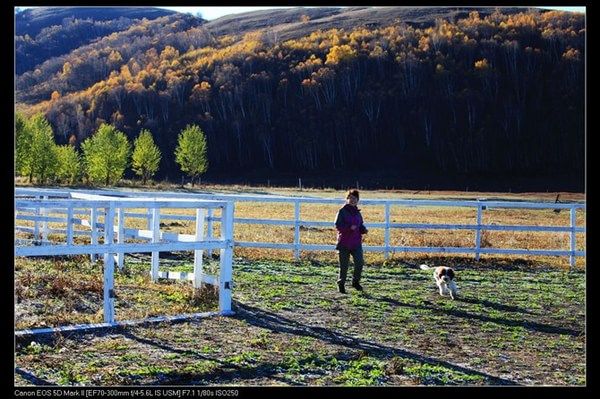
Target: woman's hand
(353, 227)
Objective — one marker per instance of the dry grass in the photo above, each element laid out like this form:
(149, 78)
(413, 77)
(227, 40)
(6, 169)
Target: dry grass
(69, 290)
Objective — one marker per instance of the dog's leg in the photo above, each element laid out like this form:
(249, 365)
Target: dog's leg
(453, 290)
(441, 287)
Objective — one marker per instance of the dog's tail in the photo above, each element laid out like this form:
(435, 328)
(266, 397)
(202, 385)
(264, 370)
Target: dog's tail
(425, 267)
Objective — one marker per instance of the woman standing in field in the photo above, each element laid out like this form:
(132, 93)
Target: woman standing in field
(350, 227)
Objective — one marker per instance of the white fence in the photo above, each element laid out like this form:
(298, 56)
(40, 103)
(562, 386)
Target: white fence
(480, 206)
(81, 209)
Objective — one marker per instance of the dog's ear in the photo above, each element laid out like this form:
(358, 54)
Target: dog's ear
(450, 273)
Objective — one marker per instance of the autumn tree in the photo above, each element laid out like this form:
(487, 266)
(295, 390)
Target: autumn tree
(69, 164)
(22, 143)
(38, 157)
(106, 155)
(146, 156)
(190, 153)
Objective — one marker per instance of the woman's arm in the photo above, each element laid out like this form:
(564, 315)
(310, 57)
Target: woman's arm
(340, 222)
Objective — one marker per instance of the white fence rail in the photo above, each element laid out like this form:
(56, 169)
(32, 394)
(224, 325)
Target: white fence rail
(387, 248)
(39, 208)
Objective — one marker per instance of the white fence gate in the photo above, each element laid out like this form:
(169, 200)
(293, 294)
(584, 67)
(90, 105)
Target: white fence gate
(74, 210)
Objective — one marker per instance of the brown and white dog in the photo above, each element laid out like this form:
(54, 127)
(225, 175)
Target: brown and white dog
(444, 279)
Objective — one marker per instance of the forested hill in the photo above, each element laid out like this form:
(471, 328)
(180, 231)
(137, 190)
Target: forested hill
(451, 90)
(46, 32)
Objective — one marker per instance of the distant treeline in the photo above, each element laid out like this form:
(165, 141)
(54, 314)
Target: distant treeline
(494, 94)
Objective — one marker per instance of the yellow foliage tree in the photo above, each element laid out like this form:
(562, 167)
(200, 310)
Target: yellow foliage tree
(338, 54)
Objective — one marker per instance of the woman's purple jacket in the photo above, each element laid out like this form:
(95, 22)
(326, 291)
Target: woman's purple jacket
(347, 238)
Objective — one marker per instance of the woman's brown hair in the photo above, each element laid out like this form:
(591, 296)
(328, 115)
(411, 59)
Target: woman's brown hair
(353, 192)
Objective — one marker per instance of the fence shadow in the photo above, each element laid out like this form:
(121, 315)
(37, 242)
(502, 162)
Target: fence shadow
(529, 325)
(277, 323)
(31, 378)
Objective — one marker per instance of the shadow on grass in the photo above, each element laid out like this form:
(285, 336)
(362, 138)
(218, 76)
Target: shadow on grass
(493, 305)
(31, 378)
(229, 370)
(492, 264)
(529, 325)
(275, 322)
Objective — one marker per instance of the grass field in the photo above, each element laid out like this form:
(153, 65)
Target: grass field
(517, 321)
(513, 323)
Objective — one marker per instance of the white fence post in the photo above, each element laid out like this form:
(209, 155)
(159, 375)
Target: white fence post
(120, 236)
(45, 222)
(109, 267)
(209, 228)
(93, 220)
(225, 269)
(387, 230)
(36, 225)
(155, 238)
(296, 230)
(200, 215)
(572, 238)
(70, 225)
(478, 233)
(149, 218)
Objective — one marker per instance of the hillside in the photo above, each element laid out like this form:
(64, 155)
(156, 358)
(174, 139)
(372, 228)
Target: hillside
(47, 32)
(288, 24)
(488, 92)
(33, 20)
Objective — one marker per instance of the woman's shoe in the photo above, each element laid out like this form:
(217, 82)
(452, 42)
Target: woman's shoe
(357, 286)
(341, 288)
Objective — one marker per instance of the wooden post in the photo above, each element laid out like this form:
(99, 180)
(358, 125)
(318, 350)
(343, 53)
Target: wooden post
(296, 230)
(200, 215)
(109, 267)
(155, 238)
(225, 269)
